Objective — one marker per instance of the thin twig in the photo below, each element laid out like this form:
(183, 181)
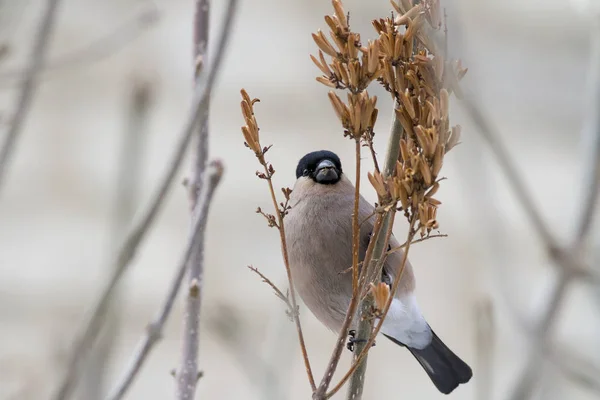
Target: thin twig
(34, 67)
(99, 49)
(154, 329)
(127, 190)
(277, 291)
(403, 245)
(188, 373)
(129, 247)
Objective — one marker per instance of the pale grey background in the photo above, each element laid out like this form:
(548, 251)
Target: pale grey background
(527, 62)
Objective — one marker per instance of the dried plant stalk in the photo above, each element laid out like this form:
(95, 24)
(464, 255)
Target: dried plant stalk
(252, 141)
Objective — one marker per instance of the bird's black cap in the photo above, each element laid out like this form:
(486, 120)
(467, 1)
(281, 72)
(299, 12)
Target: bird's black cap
(307, 166)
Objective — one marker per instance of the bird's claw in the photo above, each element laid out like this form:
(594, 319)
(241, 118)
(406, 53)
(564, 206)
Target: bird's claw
(352, 340)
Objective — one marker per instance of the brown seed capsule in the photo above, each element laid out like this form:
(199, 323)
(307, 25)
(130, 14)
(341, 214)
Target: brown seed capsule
(438, 159)
(426, 172)
(339, 13)
(324, 44)
(433, 190)
(325, 81)
(403, 18)
(321, 65)
(405, 121)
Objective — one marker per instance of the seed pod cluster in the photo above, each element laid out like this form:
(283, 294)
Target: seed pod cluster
(420, 80)
(351, 67)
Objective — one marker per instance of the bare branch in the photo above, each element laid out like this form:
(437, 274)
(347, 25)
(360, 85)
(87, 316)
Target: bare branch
(187, 376)
(575, 367)
(154, 329)
(98, 50)
(277, 291)
(129, 247)
(35, 65)
(492, 137)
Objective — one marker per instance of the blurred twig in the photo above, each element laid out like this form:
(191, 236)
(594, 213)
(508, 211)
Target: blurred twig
(567, 258)
(154, 329)
(27, 92)
(99, 49)
(575, 367)
(129, 246)
(127, 190)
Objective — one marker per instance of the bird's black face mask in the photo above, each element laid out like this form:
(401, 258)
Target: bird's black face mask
(323, 167)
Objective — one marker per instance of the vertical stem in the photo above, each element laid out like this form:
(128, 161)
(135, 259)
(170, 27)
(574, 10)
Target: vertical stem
(365, 325)
(355, 226)
(188, 375)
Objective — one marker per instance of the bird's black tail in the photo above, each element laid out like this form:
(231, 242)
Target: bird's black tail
(445, 369)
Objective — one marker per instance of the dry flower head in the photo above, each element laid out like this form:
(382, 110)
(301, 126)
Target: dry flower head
(405, 60)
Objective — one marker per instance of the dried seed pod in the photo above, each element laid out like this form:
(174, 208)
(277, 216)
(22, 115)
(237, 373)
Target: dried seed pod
(339, 107)
(377, 181)
(324, 44)
(434, 202)
(340, 14)
(325, 81)
(405, 121)
(404, 152)
(438, 159)
(321, 65)
(444, 103)
(403, 18)
(407, 103)
(426, 172)
(433, 190)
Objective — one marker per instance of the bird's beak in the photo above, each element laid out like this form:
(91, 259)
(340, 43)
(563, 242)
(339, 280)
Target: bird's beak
(326, 172)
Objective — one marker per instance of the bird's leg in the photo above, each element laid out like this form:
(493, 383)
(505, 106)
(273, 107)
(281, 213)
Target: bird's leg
(352, 340)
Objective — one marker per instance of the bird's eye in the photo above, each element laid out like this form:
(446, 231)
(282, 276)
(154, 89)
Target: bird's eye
(305, 172)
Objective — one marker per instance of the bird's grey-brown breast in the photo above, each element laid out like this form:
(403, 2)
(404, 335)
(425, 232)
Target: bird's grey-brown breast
(319, 240)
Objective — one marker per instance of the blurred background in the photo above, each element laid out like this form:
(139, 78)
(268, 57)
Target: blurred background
(528, 62)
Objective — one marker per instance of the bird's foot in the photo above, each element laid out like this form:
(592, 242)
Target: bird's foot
(352, 340)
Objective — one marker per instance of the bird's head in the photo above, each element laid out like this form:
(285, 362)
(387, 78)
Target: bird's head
(323, 167)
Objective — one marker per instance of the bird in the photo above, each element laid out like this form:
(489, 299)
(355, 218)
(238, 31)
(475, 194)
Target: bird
(318, 233)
